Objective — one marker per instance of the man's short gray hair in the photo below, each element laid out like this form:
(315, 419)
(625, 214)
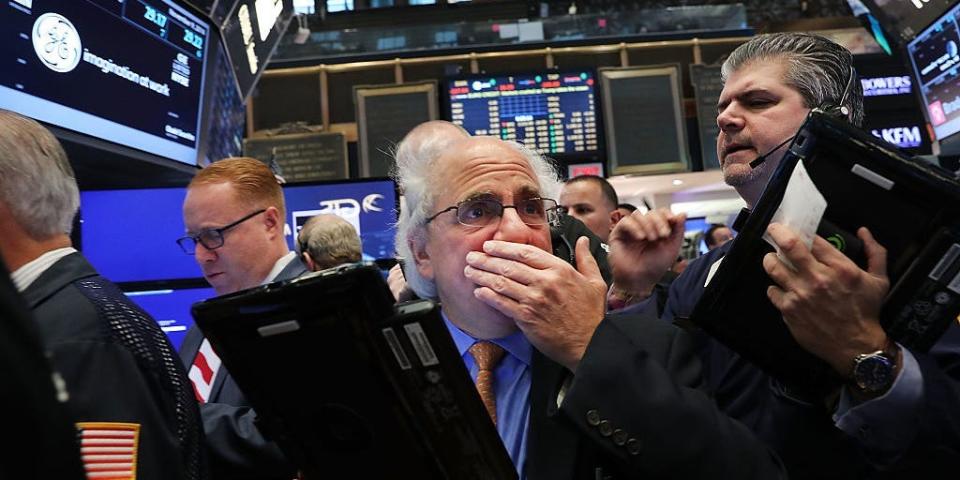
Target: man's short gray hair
(330, 241)
(37, 183)
(414, 175)
(816, 67)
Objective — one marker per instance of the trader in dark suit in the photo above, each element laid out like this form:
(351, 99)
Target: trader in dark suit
(234, 215)
(123, 383)
(903, 419)
(46, 445)
(574, 394)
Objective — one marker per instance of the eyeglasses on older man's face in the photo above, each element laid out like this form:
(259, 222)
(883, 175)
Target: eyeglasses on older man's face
(483, 211)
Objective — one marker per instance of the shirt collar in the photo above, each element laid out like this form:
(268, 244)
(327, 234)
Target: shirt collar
(24, 276)
(279, 266)
(516, 344)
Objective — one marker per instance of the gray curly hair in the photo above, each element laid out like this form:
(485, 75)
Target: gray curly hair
(417, 156)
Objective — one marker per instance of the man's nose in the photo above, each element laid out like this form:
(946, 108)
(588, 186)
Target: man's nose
(729, 119)
(511, 227)
(203, 254)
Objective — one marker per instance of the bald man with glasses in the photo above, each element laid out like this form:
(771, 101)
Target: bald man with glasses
(234, 216)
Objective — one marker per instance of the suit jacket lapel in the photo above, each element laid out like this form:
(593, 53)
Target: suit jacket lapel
(552, 447)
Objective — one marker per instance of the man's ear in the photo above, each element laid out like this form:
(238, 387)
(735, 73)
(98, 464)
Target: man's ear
(615, 216)
(273, 221)
(421, 259)
(309, 261)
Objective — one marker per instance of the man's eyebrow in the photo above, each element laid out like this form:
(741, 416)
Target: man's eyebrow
(484, 194)
(528, 191)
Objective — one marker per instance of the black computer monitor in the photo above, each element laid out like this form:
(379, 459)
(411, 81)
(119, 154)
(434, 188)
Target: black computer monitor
(556, 113)
(128, 73)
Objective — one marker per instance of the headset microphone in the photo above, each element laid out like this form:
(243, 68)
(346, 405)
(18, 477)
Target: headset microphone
(763, 158)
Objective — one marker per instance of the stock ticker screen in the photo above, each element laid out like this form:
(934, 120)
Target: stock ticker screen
(125, 71)
(553, 113)
(935, 56)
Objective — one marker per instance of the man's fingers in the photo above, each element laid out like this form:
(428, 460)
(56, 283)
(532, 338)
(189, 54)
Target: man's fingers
(517, 271)
(505, 305)
(586, 264)
(791, 247)
(525, 254)
(876, 253)
(778, 272)
(827, 254)
(498, 283)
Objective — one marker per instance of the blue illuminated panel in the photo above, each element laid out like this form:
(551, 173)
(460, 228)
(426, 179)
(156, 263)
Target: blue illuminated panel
(369, 205)
(130, 235)
(171, 308)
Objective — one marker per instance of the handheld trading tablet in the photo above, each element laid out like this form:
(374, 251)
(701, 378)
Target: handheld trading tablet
(351, 386)
(912, 209)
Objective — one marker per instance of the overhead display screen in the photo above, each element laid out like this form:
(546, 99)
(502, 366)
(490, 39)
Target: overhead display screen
(125, 71)
(935, 56)
(907, 17)
(553, 113)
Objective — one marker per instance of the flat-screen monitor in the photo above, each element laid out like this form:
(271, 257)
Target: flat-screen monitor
(892, 112)
(170, 307)
(130, 235)
(554, 113)
(370, 205)
(907, 17)
(130, 72)
(935, 57)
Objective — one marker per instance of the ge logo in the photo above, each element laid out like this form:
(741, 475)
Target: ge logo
(837, 242)
(370, 203)
(56, 42)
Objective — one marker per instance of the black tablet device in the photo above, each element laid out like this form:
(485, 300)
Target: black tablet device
(912, 208)
(352, 386)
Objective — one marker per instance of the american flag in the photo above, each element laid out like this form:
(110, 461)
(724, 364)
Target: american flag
(109, 450)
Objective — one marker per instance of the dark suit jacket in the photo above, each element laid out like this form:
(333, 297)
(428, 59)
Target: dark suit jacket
(236, 448)
(633, 410)
(46, 440)
(118, 366)
(802, 431)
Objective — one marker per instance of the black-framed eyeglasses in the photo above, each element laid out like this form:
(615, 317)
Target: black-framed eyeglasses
(480, 212)
(211, 238)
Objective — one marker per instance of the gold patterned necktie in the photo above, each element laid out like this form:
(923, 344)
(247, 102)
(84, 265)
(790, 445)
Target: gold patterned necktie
(487, 355)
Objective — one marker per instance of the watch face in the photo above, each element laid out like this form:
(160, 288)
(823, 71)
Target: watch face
(873, 372)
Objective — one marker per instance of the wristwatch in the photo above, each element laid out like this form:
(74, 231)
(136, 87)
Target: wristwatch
(875, 372)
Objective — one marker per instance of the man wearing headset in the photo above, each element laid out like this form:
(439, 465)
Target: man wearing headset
(906, 420)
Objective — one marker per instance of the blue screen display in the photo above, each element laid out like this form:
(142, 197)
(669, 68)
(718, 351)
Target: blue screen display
(171, 308)
(552, 113)
(369, 205)
(128, 72)
(130, 235)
